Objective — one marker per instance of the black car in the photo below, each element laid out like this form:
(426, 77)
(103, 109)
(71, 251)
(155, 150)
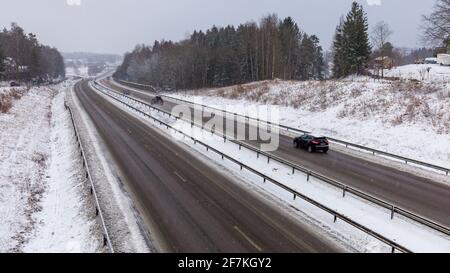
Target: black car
(14, 84)
(157, 100)
(312, 143)
(126, 92)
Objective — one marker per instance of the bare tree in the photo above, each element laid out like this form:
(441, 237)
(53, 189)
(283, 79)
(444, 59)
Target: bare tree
(380, 36)
(436, 27)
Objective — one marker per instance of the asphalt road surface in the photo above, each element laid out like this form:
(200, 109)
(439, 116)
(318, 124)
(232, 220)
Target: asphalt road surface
(420, 195)
(190, 206)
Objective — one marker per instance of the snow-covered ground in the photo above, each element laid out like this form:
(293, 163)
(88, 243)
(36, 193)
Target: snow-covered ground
(81, 71)
(431, 73)
(408, 119)
(415, 237)
(8, 95)
(43, 203)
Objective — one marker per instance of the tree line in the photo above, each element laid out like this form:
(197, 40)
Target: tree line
(223, 56)
(22, 57)
(275, 49)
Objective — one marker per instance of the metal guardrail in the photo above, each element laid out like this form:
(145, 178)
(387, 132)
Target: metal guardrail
(394, 246)
(98, 211)
(345, 189)
(288, 129)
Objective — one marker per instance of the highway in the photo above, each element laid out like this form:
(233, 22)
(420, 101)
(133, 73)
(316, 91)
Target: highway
(188, 205)
(419, 195)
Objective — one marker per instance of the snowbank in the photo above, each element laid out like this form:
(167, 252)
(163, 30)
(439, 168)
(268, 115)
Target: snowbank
(431, 73)
(42, 208)
(67, 221)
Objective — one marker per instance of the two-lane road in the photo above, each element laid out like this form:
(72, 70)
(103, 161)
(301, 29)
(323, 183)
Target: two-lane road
(188, 205)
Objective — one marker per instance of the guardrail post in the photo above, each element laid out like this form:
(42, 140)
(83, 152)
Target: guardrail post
(295, 196)
(268, 160)
(392, 212)
(307, 177)
(240, 147)
(335, 218)
(293, 170)
(343, 192)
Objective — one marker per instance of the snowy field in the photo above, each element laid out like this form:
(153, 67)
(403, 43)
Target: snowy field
(43, 203)
(397, 117)
(431, 73)
(415, 237)
(81, 71)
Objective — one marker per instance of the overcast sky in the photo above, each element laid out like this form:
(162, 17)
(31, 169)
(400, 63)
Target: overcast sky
(116, 26)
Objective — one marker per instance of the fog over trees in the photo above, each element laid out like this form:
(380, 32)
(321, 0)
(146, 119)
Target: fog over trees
(23, 57)
(223, 56)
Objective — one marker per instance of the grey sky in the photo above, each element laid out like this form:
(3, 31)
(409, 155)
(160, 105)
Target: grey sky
(116, 26)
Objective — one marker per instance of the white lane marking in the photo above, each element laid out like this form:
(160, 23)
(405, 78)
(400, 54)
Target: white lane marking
(255, 245)
(179, 176)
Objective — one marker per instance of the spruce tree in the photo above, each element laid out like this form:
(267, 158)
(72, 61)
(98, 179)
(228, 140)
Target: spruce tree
(351, 46)
(318, 63)
(356, 31)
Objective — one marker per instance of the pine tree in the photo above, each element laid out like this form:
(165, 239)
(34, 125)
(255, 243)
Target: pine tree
(351, 46)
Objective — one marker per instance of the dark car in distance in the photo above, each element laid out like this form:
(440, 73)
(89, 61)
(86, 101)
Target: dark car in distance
(157, 100)
(126, 92)
(312, 143)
